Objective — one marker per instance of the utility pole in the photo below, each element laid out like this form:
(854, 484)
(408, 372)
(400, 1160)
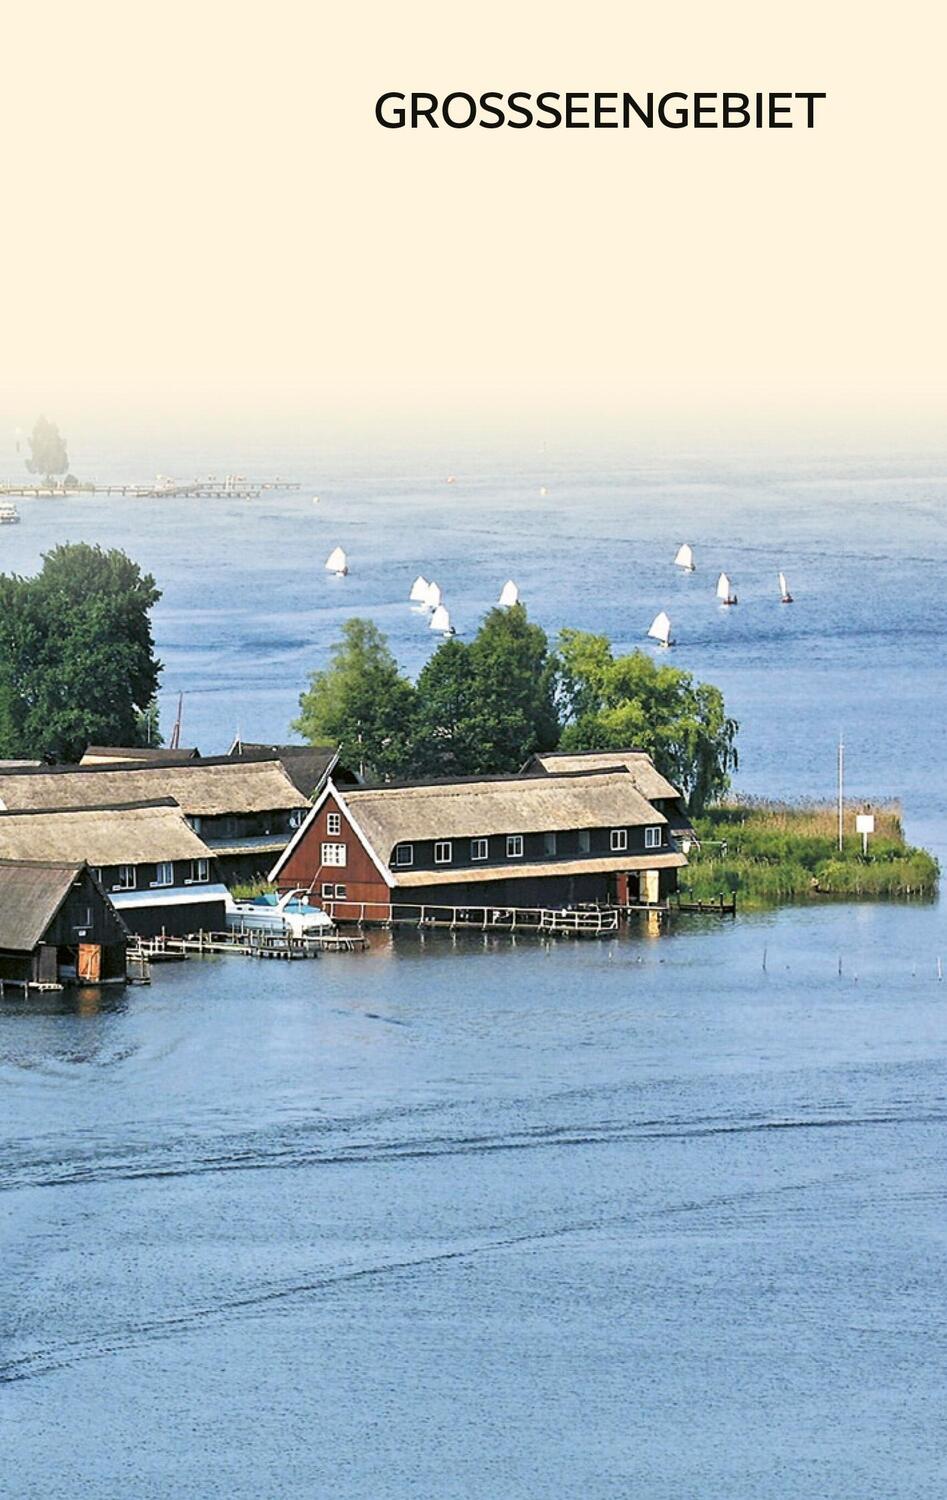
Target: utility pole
(841, 789)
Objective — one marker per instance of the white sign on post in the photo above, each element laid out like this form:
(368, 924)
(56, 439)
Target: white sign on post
(864, 822)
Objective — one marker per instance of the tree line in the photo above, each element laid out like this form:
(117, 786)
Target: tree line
(484, 706)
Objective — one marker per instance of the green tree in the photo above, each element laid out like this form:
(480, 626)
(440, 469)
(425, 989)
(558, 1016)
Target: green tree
(77, 663)
(48, 454)
(514, 677)
(614, 703)
(361, 702)
(448, 726)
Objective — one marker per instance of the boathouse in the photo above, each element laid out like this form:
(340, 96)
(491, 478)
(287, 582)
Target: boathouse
(512, 841)
(57, 926)
(156, 871)
(648, 780)
(244, 810)
(307, 766)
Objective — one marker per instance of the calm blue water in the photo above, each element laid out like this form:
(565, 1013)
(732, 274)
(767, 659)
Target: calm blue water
(459, 1219)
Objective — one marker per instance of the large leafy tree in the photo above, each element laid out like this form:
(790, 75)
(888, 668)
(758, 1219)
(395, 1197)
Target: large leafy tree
(360, 702)
(514, 674)
(614, 702)
(77, 661)
(48, 454)
(448, 724)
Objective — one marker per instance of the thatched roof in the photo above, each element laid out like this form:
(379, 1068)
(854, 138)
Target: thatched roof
(497, 805)
(208, 788)
(96, 755)
(102, 835)
(30, 896)
(307, 766)
(605, 864)
(638, 763)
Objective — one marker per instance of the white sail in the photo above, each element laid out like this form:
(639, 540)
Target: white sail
(433, 596)
(685, 557)
(419, 588)
(660, 629)
(509, 594)
(337, 562)
(783, 585)
(724, 588)
(440, 620)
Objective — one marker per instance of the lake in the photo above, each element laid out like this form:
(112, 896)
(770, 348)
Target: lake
(661, 1215)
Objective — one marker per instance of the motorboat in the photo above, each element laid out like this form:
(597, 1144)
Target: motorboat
(291, 915)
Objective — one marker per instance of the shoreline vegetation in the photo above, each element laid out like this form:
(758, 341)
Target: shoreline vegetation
(773, 853)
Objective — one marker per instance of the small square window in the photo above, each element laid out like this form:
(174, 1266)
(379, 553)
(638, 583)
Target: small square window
(334, 854)
(652, 838)
(200, 871)
(514, 846)
(340, 893)
(403, 855)
(164, 873)
(585, 841)
(549, 843)
(333, 824)
(479, 849)
(443, 852)
(126, 878)
(619, 840)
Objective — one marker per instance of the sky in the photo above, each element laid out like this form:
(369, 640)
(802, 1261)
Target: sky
(203, 217)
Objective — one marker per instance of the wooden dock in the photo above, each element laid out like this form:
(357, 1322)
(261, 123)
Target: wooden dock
(166, 949)
(232, 487)
(580, 921)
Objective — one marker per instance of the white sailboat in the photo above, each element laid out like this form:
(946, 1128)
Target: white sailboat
(433, 597)
(440, 620)
(543, 491)
(509, 595)
(337, 562)
(785, 597)
(419, 588)
(660, 629)
(685, 558)
(725, 590)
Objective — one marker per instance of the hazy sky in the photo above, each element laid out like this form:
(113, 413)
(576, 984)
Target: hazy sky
(201, 211)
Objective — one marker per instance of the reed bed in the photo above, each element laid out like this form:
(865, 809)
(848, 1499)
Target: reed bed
(770, 852)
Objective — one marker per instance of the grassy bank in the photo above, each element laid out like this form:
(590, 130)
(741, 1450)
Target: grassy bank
(768, 852)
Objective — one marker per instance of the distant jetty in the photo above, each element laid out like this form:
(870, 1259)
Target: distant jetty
(230, 487)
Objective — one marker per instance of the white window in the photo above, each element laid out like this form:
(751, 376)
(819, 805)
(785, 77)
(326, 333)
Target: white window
(334, 854)
(443, 852)
(297, 817)
(200, 872)
(333, 825)
(164, 873)
(479, 849)
(126, 878)
(328, 892)
(84, 922)
(652, 838)
(549, 843)
(619, 839)
(340, 893)
(585, 841)
(403, 855)
(96, 872)
(514, 846)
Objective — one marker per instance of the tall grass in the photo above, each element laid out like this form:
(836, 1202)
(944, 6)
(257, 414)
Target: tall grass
(767, 852)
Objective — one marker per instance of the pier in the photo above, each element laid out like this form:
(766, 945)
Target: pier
(247, 944)
(231, 487)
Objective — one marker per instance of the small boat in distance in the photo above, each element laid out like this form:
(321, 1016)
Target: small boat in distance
(509, 595)
(433, 596)
(452, 479)
(9, 515)
(785, 597)
(543, 491)
(419, 588)
(660, 629)
(440, 620)
(685, 558)
(725, 590)
(337, 562)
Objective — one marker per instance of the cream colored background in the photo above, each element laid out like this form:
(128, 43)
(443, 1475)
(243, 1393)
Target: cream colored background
(200, 209)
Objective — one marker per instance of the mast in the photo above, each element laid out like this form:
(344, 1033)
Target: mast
(174, 742)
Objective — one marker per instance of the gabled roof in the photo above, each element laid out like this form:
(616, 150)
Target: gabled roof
(31, 894)
(158, 754)
(211, 787)
(638, 763)
(101, 836)
(516, 804)
(307, 766)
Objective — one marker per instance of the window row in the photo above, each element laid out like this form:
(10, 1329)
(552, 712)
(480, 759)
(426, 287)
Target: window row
(333, 892)
(126, 876)
(403, 854)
